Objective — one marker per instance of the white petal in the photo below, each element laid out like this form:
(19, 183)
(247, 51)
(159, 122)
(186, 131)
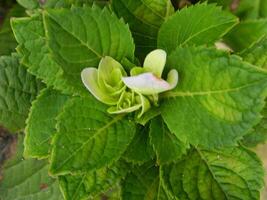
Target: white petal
(155, 62)
(114, 109)
(173, 78)
(90, 80)
(146, 83)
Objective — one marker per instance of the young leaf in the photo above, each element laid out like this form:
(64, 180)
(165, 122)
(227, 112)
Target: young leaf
(91, 184)
(88, 138)
(140, 150)
(246, 34)
(233, 173)
(145, 19)
(93, 33)
(167, 147)
(41, 123)
(211, 107)
(18, 89)
(144, 182)
(27, 179)
(198, 24)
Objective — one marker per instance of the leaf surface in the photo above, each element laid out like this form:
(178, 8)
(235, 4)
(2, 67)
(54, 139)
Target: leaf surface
(145, 18)
(88, 138)
(210, 106)
(69, 40)
(233, 173)
(41, 123)
(246, 34)
(144, 182)
(91, 184)
(166, 145)
(199, 24)
(27, 179)
(18, 89)
(140, 149)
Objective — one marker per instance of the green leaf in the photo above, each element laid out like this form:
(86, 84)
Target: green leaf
(233, 173)
(140, 150)
(18, 89)
(144, 182)
(212, 106)
(28, 4)
(33, 48)
(92, 32)
(41, 123)
(145, 18)
(256, 54)
(7, 40)
(198, 24)
(88, 185)
(88, 138)
(34, 4)
(246, 34)
(167, 147)
(27, 179)
(247, 9)
(258, 134)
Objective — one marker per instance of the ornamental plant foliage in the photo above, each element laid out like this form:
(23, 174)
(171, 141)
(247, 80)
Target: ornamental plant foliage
(131, 99)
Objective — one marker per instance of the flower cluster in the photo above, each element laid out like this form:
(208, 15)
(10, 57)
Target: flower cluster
(111, 85)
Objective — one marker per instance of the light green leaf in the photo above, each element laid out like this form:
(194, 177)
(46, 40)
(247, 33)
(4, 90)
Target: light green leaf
(28, 4)
(198, 24)
(7, 40)
(246, 34)
(18, 89)
(145, 18)
(92, 33)
(167, 147)
(27, 179)
(88, 138)
(210, 106)
(33, 48)
(144, 182)
(41, 123)
(140, 150)
(233, 173)
(90, 184)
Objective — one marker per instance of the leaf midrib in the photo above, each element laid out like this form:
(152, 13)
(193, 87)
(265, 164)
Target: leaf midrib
(71, 33)
(100, 130)
(203, 93)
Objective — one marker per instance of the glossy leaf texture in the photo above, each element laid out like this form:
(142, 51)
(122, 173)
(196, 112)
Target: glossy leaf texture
(69, 40)
(144, 18)
(214, 108)
(196, 25)
(233, 173)
(27, 179)
(88, 138)
(166, 145)
(18, 89)
(41, 123)
(92, 184)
